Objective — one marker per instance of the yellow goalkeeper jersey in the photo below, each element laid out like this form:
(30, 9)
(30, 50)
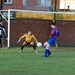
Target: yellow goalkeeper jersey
(29, 38)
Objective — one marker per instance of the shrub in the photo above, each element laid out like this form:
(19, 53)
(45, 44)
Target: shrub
(30, 15)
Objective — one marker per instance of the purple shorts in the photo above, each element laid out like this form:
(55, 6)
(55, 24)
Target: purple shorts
(51, 41)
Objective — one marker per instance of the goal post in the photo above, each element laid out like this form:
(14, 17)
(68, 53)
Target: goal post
(15, 10)
(8, 43)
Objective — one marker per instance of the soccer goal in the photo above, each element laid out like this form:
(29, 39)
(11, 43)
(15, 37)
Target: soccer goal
(35, 15)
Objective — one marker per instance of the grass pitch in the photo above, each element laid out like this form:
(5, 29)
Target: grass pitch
(61, 61)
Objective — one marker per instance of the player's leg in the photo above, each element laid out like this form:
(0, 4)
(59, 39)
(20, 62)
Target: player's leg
(23, 44)
(33, 44)
(47, 44)
(0, 42)
(47, 51)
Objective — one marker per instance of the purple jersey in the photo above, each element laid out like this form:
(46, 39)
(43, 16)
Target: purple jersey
(53, 33)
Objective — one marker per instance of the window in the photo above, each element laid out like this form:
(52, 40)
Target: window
(7, 1)
(65, 3)
(44, 3)
(6, 14)
(24, 2)
(72, 6)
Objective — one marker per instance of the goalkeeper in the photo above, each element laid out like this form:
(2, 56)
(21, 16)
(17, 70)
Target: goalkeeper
(29, 40)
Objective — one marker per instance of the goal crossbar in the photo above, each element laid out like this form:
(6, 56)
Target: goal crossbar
(42, 11)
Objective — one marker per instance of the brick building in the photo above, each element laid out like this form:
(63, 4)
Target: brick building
(42, 5)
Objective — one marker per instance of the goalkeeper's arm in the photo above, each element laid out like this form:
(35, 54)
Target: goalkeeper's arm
(21, 38)
(18, 41)
(35, 39)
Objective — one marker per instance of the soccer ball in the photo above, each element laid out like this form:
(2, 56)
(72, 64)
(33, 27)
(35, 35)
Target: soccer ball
(39, 44)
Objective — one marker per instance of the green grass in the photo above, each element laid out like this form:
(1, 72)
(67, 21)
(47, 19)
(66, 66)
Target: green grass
(61, 61)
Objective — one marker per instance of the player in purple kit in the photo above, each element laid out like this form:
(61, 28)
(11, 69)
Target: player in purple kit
(53, 36)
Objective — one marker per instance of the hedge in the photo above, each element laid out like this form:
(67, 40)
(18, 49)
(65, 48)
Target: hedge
(30, 15)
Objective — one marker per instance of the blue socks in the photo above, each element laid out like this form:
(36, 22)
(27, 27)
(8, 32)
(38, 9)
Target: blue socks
(47, 53)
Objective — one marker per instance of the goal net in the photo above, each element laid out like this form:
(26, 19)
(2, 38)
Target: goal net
(12, 14)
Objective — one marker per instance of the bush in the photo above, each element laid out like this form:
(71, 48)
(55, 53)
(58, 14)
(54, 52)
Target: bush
(30, 15)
